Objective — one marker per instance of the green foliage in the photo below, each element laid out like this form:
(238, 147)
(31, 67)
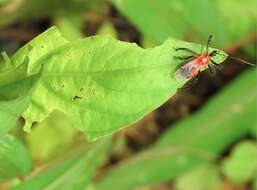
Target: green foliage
(2, 2)
(99, 85)
(202, 178)
(74, 173)
(221, 122)
(107, 29)
(17, 10)
(255, 184)
(238, 27)
(10, 111)
(187, 19)
(208, 132)
(70, 26)
(253, 131)
(91, 80)
(50, 128)
(16, 81)
(241, 165)
(14, 158)
(4, 61)
(151, 166)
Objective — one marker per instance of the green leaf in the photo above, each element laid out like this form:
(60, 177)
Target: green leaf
(70, 26)
(192, 19)
(51, 128)
(107, 28)
(2, 2)
(17, 10)
(18, 78)
(91, 81)
(74, 173)
(4, 61)
(10, 111)
(232, 12)
(253, 131)
(226, 118)
(161, 19)
(201, 178)
(254, 185)
(37, 49)
(241, 165)
(14, 158)
(154, 165)
(24, 60)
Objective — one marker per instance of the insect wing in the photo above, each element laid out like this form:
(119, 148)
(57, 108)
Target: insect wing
(188, 70)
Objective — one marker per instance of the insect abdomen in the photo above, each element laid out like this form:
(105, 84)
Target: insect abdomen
(187, 71)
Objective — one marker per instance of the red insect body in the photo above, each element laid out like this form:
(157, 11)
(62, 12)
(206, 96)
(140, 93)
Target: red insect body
(203, 59)
(192, 68)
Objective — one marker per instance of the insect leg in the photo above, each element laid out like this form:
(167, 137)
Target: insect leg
(192, 82)
(196, 79)
(219, 66)
(184, 58)
(188, 50)
(212, 70)
(214, 63)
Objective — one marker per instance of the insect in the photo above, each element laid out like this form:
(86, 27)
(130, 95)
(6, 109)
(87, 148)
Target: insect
(197, 62)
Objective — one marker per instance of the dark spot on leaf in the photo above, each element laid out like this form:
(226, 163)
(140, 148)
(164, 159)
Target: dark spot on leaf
(57, 87)
(34, 124)
(76, 98)
(81, 89)
(42, 47)
(21, 121)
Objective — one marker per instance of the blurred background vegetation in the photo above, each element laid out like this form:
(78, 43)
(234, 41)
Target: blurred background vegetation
(204, 138)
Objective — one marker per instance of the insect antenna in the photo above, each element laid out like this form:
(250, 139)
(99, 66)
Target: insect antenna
(237, 59)
(210, 38)
(241, 60)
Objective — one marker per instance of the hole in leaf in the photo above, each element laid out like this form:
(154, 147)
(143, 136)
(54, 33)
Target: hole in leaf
(34, 124)
(61, 86)
(76, 98)
(21, 121)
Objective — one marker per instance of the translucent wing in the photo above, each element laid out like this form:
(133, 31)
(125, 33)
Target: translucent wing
(188, 70)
